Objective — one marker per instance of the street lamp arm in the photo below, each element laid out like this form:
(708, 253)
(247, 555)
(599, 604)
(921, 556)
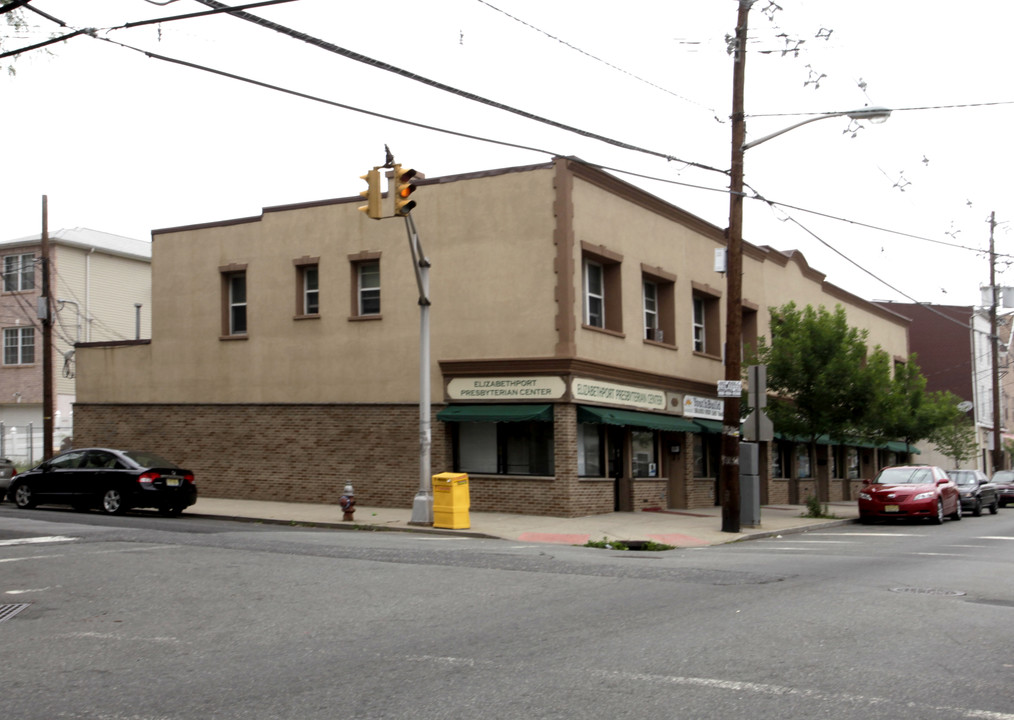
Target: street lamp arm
(873, 114)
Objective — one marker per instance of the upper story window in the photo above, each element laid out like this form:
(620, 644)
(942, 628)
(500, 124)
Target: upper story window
(706, 320)
(307, 286)
(601, 288)
(659, 298)
(365, 285)
(234, 313)
(594, 295)
(369, 288)
(19, 272)
(19, 346)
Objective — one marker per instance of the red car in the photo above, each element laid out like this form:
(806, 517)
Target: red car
(917, 491)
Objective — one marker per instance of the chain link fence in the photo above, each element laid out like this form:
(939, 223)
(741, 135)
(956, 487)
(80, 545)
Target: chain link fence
(23, 444)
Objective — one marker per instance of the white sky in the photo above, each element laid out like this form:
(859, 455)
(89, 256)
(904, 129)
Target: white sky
(123, 143)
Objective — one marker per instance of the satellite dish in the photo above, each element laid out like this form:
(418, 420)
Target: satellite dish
(965, 406)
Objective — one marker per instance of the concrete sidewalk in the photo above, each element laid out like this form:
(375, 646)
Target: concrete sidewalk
(681, 528)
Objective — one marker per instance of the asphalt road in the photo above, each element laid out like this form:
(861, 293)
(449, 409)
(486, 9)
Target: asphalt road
(149, 618)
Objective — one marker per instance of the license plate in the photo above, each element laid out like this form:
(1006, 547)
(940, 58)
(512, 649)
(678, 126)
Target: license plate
(172, 482)
(892, 508)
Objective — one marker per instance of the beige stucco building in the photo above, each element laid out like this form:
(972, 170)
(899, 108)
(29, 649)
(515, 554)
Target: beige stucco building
(98, 279)
(576, 344)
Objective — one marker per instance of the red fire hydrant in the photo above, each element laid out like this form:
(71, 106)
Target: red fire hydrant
(348, 503)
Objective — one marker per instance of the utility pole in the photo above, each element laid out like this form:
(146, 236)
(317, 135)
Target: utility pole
(995, 343)
(729, 477)
(46, 317)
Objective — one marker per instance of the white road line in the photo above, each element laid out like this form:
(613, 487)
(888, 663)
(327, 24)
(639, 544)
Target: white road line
(33, 557)
(766, 689)
(29, 590)
(869, 534)
(33, 540)
(816, 542)
(941, 554)
(994, 537)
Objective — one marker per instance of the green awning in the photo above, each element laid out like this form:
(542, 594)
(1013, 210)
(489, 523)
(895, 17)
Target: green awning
(898, 446)
(653, 421)
(496, 413)
(711, 426)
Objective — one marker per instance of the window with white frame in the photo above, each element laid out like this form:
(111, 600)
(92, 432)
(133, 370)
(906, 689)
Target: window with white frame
(237, 303)
(594, 295)
(700, 329)
(651, 329)
(19, 346)
(311, 290)
(19, 272)
(369, 287)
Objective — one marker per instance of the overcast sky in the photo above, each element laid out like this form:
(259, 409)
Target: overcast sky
(125, 143)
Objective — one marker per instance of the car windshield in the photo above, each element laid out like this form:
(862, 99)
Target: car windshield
(1004, 476)
(904, 475)
(148, 460)
(962, 477)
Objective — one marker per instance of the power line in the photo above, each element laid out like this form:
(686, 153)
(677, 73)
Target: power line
(358, 57)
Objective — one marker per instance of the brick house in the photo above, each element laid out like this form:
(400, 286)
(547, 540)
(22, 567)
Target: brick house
(576, 344)
(97, 279)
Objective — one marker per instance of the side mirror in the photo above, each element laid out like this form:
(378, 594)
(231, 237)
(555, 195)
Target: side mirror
(943, 481)
(867, 481)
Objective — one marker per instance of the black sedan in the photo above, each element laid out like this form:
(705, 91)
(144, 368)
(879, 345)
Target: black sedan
(976, 491)
(1004, 481)
(114, 481)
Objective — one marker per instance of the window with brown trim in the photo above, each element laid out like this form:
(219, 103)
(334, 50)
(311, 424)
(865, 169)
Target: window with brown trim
(601, 288)
(707, 331)
(234, 301)
(365, 285)
(307, 287)
(658, 297)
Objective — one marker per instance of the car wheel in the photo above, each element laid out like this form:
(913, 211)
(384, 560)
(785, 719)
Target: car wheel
(977, 510)
(956, 515)
(994, 507)
(938, 519)
(112, 502)
(23, 496)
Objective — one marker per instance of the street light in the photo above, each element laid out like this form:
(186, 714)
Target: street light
(729, 474)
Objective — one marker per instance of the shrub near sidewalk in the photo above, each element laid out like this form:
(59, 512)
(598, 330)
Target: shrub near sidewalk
(648, 545)
(814, 509)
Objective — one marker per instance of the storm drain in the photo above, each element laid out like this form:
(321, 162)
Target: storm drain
(9, 611)
(928, 591)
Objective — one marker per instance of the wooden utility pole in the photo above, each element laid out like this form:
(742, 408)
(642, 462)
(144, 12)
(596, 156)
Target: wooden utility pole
(729, 472)
(995, 345)
(46, 318)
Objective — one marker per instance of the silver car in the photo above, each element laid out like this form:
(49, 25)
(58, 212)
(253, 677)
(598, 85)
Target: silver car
(7, 471)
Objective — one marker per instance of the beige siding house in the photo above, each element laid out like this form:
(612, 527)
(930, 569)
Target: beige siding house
(98, 280)
(576, 343)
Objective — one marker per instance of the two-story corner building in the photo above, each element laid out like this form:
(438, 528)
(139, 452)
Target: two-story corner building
(576, 343)
(97, 282)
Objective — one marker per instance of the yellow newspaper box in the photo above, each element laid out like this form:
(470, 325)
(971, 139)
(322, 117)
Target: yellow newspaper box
(450, 501)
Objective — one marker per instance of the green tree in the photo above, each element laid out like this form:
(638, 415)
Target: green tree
(13, 22)
(907, 412)
(824, 379)
(957, 439)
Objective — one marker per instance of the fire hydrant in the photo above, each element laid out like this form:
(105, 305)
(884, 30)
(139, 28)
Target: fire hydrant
(348, 503)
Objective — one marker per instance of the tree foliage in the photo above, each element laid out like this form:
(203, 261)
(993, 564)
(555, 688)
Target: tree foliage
(823, 377)
(957, 439)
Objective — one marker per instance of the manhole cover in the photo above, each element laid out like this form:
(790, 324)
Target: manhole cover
(9, 611)
(928, 591)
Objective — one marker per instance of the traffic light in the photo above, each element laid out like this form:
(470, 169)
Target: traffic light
(373, 207)
(403, 188)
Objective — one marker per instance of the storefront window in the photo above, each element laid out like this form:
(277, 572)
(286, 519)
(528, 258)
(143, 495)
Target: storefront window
(645, 453)
(780, 461)
(852, 463)
(589, 450)
(803, 461)
(507, 448)
(706, 449)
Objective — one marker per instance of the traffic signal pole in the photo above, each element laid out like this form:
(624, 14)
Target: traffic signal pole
(399, 204)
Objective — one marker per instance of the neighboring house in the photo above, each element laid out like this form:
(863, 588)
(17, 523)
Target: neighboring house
(97, 279)
(954, 350)
(577, 332)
